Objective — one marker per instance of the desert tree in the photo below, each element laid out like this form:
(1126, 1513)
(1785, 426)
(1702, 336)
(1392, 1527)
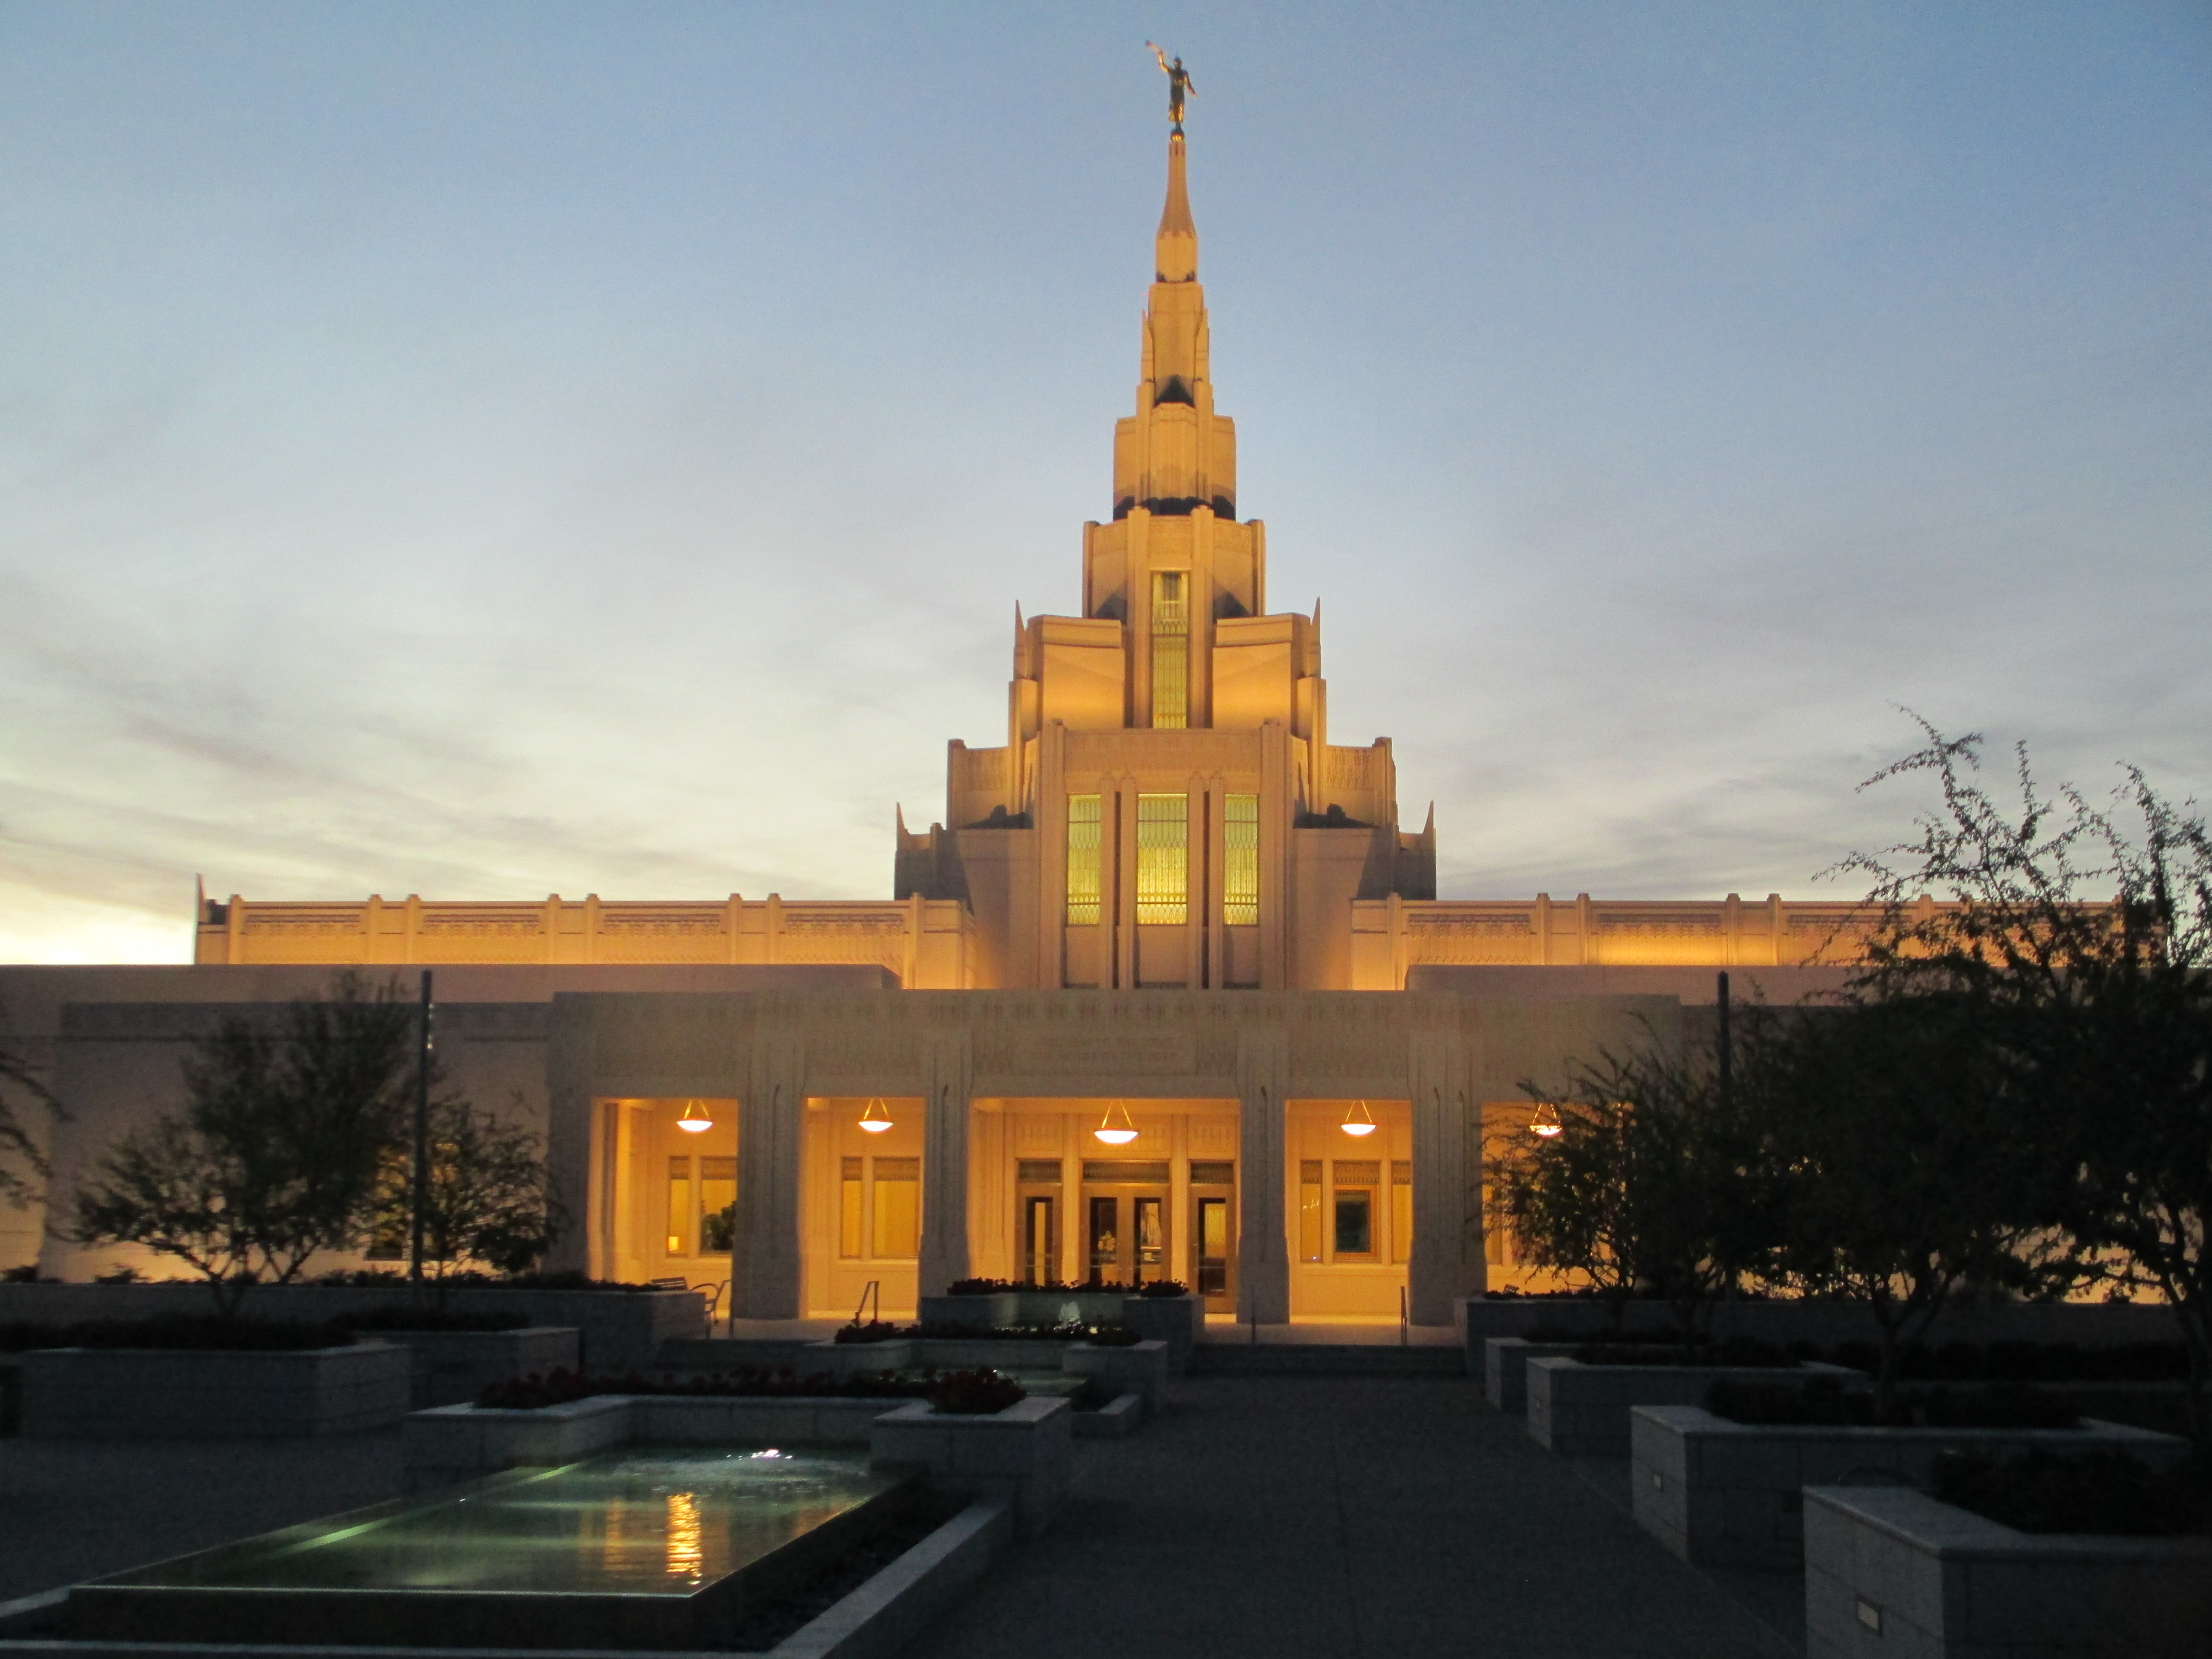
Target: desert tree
(275, 1152)
(487, 1202)
(2079, 933)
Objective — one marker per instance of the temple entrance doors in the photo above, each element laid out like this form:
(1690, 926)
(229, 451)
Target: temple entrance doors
(1213, 1234)
(1039, 1247)
(1125, 1221)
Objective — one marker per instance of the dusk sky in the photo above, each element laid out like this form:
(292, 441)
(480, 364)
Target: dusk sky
(488, 450)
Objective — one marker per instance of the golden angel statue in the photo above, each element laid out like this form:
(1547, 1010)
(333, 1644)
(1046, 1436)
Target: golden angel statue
(1179, 85)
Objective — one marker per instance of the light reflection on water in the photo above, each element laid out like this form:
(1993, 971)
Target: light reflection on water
(642, 1522)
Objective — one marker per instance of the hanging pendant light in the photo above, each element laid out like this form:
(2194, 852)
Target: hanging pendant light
(1358, 1120)
(1117, 1132)
(696, 1119)
(877, 1118)
(1546, 1122)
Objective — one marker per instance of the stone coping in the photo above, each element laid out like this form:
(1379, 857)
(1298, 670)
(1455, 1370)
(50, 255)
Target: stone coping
(1505, 1369)
(1722, 1494)
(1893, 1571)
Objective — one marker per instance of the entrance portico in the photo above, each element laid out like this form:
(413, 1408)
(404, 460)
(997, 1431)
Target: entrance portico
(1239, 1178)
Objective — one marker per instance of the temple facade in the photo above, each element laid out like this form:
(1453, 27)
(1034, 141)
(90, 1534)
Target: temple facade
(1115, 1024)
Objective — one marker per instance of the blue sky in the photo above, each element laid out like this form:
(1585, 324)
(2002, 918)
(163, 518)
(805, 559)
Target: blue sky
(488, 450)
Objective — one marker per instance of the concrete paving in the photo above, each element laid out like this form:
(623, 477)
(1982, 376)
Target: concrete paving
(73, 1509)
(1280, 1517)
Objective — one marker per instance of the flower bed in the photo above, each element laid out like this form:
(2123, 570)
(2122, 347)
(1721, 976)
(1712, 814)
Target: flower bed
(1826, 1400)
(535, 1393)
(1724, 1493)
(1582, 1410)
(403, 1317)
(178, 1333)
(879, 1330)
(2098, 1491)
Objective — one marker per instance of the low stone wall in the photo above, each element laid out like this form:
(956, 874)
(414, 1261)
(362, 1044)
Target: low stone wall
(460, 1442)
(615, 1329)
(1505, 1370)
(1022, 1456)
(1177, 1321)
(1142, 1369)
(452, 1367)
(2092, 1324)
(1891, 1571)
(123, 1394)
(1718, 1493)
(1117, 1419)
(1581, 1411)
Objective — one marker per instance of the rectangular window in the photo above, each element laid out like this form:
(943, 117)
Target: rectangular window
(679, 1207)
(1171, 650)
(717, 1205)
(898, 1208)
(1353, 1181)
(1082, 842)
(849, 1210)
(1163, 860)
(1240, 861)
(1309, 1210)
(1401, 1209)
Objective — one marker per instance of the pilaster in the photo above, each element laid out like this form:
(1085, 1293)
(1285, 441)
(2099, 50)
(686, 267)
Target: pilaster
(1446, 1263)
(948, 1078)
(1263, 1261)
(764, 1265)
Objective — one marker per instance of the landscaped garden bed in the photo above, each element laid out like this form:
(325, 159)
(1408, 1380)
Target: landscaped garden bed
(2096, 1554)
(1726, 1490)
(210, 1392)
(1582, 1409)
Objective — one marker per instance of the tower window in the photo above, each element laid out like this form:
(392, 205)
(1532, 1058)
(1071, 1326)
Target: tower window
(1083, 842)
(1163, 860)
(1240, 861)
(1170, 649)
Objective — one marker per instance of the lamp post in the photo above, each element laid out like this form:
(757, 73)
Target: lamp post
(419, 1200)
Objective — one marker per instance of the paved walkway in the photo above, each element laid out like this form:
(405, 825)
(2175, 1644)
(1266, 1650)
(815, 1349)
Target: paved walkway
(1352, 1518)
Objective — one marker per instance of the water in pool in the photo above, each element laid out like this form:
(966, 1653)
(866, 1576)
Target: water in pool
(633, 1522)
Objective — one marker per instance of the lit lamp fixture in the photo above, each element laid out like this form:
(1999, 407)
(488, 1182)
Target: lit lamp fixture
(1116, 1134)
(1358, 1120)
(696, 1119)
(1546, 1122)
(877, 1118)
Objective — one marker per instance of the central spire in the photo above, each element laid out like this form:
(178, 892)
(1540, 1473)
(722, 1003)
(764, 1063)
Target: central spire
(1175, 256)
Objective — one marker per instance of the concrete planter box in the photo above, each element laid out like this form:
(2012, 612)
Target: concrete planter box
(1115, 1420)
(1581, 1411)
(1718, 1493)
(1142, 1369)
(940, 1353)
(616, 1329)
(460, 1442)
(1504, 1369)
(1177, 1321)
(452, 1367)
(127, 1394)
(1890, 1572)
(1022, 1456)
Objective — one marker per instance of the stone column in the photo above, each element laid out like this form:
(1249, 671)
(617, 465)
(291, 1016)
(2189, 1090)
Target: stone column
(1447, 1260)
(948, 1072)
(575, 1151)
(766, 1261)
(1263, 1261)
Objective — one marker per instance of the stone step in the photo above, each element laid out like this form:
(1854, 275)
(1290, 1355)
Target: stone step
(1323, 1359)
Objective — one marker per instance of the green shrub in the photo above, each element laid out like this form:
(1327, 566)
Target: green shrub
(2092, 1491)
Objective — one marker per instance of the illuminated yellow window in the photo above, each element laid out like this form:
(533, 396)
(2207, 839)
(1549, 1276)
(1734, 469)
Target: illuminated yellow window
(1401, 1209)
(898, 1208)
(679, 1207)
(849, 1210)
(1309, 1210)
(717, 1205)
(1082, 842)
(1163, 860)
(1170, 649)
(1240, 861)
